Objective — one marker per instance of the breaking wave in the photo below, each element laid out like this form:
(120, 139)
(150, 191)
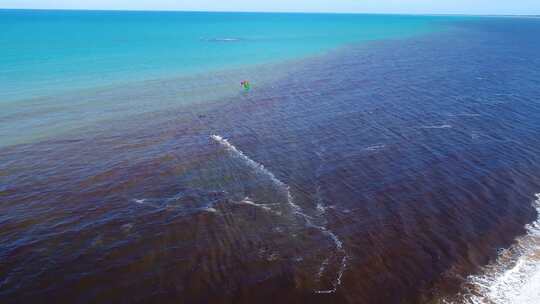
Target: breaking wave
(514, 278)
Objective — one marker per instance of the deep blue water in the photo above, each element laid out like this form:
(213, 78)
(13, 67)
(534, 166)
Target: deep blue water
(384, 172)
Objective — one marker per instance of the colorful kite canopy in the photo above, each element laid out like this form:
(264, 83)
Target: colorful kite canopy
(246, 85)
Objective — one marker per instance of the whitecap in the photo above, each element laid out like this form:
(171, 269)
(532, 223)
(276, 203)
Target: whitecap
(445, 126)
(140, 201)
(375, 148)
(265, 207)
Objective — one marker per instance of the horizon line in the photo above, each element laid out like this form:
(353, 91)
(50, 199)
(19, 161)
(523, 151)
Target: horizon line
(270, 12)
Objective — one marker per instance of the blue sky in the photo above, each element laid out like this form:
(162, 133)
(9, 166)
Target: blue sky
(361, 6)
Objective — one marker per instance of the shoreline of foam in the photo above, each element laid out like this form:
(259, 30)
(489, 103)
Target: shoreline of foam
(514, 278)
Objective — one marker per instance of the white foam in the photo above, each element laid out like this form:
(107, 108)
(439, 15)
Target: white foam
(321, 208)
(297, 210)
(465, 115)
(338, 245)
(257, 167)
(319, 202)
(375, 148)
(248, 201)
(225, 39)
(515, 277)
(127, 227)
(445, 126)
(168, 204)
(343, 264)
(338, 278)
(322, 268)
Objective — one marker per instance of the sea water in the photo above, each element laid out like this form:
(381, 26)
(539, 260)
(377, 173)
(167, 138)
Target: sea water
(45, 52)
(75, 68)
(403, 169)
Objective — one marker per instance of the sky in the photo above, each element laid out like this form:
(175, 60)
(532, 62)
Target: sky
(495, 7)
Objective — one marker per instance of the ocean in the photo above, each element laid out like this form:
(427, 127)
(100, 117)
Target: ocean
(376, 159)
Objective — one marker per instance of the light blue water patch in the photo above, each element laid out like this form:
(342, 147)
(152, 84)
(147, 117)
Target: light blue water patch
(49, 52)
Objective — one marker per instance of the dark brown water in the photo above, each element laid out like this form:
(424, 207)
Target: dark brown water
(383, 173)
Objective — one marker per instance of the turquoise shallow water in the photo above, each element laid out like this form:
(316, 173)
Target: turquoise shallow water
(49, 52)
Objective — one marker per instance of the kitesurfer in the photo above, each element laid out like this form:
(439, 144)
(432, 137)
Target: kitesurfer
(246, 85)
